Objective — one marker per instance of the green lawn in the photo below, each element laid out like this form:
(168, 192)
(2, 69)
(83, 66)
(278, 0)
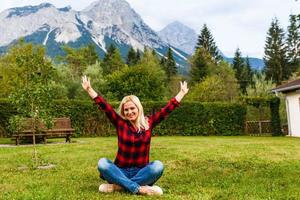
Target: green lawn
(195, 168)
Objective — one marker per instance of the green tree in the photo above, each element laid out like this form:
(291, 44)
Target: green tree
(276, 64)
(90, 54)
(262, 86)
(162, 62)
(95, 73)
(293, 42)
(145, 80)
(242, 70)
(138, 55)
(60, 80)
(206, 41)
(132, 58)
(238, 64)
(72, 89)
(77, 59)
(33, 97)
(169, 64)
(15, 63)
(250, 72)
(220, 85)
(154, 53)
(201, 65)
(150, 57)
(7, 76)
(173, 84)
(112, 61)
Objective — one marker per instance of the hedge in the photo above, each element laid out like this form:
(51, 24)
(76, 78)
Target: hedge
(191, 118)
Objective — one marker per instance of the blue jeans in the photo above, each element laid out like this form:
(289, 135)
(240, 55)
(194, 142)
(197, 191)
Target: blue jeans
(130, 178)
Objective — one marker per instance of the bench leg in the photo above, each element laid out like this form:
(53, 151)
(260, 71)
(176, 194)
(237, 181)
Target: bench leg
(45, 139)
(17, 140)
(68, 138)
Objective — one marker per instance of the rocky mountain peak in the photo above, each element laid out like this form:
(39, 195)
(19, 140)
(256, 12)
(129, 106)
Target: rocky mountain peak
(180, 36)
(103, 22)
(113, 12)
(27, 10)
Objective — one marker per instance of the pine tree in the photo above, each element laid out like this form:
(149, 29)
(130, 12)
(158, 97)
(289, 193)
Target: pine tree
(162, 62)
(206, 41)
(112, 60)
(169, 64)
(201, 65)
(76, 60)
(138, 56)
(293, 42)
(238, 63)
(154, 53)
(276, 64)
(241, 72)
(148, 56)
(90, 54)
(107, 59)
(250, 72)
(131, 57)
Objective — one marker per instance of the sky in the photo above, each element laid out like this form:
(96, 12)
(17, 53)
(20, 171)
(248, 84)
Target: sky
(234, 24)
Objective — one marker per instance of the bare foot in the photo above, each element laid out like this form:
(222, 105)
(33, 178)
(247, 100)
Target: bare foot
(108, 188)
(150, 190)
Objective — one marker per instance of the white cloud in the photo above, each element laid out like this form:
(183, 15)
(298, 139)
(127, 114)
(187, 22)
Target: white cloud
(233, 23)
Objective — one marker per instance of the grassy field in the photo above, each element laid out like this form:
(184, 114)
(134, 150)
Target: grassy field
(195, 168)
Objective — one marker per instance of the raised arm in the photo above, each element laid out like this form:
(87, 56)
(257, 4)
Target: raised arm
(103, 105)
(158, 116)
(183, 91)
(86, 84)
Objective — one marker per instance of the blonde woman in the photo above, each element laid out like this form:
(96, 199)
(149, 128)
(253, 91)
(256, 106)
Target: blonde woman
(131, 169)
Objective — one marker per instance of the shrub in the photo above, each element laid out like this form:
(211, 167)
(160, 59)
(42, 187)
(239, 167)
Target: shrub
(191, 118)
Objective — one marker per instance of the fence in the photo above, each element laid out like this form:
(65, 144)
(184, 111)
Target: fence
(258, 127)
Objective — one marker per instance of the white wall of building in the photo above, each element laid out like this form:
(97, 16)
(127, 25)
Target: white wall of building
(293, 112)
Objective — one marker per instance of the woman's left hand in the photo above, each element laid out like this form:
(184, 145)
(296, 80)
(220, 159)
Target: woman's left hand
(183, 91)
(183, 87)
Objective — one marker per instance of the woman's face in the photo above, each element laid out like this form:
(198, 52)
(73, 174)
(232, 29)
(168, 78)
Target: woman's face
(130, 111)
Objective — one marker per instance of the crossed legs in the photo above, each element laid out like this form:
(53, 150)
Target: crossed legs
(135, 180)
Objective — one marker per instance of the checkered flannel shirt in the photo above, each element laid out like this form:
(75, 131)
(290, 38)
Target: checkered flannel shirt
(133, 146)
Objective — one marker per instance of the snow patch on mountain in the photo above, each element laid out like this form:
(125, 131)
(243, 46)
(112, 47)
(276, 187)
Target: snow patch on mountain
(64, 22)
(179, 54)
(117, 18)
(102, 23)
(47, 36)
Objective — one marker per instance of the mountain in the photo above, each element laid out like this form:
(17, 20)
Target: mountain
(102, 23)
(255, 63)
(180, 36)
(184, 38)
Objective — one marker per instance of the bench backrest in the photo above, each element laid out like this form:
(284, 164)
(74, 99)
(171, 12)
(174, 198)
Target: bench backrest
(28, 123)
(62, 123)
(58, 123)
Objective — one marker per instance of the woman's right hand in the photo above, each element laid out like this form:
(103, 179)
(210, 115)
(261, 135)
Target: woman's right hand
(86, 84)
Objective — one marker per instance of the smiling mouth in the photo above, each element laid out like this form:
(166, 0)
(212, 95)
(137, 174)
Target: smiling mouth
(131, 116)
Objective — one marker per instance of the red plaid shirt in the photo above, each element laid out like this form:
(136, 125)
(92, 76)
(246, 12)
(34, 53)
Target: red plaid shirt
(133, 146)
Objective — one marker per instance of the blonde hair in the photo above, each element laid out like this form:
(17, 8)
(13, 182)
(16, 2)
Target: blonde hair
(141, 122)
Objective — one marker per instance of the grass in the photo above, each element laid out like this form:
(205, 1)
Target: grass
(195, 168)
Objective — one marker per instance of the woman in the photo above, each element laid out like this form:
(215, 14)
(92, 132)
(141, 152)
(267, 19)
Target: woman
(131, 169)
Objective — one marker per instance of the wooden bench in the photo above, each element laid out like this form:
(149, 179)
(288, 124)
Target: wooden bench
(61, 128)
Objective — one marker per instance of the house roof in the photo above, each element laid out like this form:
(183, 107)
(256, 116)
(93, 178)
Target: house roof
(288, 87)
